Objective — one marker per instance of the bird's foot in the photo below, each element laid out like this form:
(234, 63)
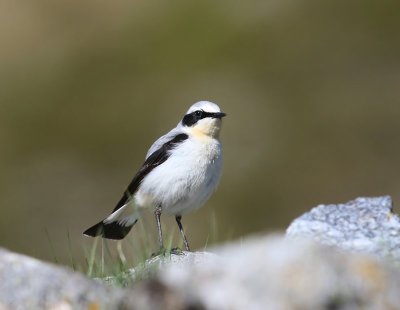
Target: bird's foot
(177, 251)
(164, 252)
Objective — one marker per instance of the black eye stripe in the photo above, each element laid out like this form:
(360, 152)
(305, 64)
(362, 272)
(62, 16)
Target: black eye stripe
(192, 118)
(202, 114)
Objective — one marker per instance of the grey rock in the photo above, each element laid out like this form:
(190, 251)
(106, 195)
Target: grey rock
(150, 267)
(184, 258)
(271, 272)
(149, 292)
(278, 273)
(258, 273)
(27, 283)
(363, 225)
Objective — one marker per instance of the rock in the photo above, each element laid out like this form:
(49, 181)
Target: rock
(365, 225)
(152, 294)
(274, 273)
(27, 283)
(149, 268)
(183, 258)
(258, 273)
(271, 272)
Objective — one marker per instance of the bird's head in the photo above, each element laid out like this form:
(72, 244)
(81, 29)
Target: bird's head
(203, 119)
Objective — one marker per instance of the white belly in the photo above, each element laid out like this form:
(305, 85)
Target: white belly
(183, 182)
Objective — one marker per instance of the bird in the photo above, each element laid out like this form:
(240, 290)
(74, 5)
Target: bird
(181, 171)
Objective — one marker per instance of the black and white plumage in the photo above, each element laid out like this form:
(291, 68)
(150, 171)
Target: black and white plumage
(181, 171)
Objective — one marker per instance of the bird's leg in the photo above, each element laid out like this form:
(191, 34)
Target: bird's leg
(157, 213)
(178, 220)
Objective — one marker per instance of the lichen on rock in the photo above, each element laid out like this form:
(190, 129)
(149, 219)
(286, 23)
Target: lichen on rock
(365, 225)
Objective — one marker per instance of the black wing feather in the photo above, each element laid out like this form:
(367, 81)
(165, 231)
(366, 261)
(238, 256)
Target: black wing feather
(154, 160)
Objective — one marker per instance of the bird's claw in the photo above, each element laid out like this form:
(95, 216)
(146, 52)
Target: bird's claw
(177, 251)
(165, 252)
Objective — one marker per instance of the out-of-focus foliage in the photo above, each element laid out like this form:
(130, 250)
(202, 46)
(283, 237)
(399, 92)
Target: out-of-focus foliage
(312, 90)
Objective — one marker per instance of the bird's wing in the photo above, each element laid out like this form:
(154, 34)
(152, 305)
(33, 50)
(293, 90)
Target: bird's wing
(162, 140)
(156, 158)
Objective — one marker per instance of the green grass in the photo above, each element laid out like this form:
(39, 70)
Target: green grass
(113, 261)
(53, 252)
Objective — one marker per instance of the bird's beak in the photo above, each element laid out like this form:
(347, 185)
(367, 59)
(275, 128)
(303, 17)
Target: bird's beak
(218, 115)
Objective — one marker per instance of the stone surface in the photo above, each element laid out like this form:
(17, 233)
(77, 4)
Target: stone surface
(267, 272)
(27, 283)
(274, 273)
(363, 225)
(259, 273)
(155, 264)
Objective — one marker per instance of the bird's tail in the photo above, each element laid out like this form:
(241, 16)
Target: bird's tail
(116, 226)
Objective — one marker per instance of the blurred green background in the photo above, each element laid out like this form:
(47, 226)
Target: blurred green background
(311, 88)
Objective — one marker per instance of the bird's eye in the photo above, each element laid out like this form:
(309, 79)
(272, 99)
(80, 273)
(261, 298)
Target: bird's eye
(198, 113)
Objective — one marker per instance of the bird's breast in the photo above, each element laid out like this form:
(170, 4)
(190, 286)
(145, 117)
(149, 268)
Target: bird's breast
(186, 179)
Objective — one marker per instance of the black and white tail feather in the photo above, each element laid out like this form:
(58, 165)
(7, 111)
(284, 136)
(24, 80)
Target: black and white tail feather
(118, 224)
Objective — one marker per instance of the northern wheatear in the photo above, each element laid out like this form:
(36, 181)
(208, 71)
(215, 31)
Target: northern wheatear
(181, 171)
